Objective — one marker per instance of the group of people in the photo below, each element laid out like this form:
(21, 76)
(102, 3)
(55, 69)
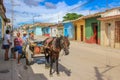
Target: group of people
(19, 44)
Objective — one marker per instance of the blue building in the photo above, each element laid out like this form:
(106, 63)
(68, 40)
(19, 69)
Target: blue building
(38, 30)
(68, 29)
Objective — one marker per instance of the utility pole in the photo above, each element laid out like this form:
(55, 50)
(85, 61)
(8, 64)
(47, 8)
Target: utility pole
(57, 26)
(34, 17)
(12, 11)
(89, 12)
(12, 22)
(33, 20)
(12, 3)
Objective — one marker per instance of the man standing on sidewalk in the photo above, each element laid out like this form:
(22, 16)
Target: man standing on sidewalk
(6, 44)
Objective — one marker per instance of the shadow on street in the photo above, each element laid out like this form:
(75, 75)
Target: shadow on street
(99, 75)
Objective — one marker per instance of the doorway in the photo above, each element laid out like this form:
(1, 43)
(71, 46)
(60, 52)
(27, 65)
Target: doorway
(95, 30)
(117, 32)
(108, 34)
(75, 32)
(82, 34)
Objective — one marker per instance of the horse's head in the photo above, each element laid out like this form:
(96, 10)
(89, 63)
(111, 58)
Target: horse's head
(64, 43)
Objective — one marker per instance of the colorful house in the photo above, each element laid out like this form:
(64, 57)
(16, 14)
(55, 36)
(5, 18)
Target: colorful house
(92, 28)
(38, 30)
(68, 29)
(42, 28)
(79, 25)
(110, 28)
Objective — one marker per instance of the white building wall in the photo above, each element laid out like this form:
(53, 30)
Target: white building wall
(107, 33)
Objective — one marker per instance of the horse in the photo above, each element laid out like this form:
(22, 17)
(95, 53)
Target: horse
(52, 48)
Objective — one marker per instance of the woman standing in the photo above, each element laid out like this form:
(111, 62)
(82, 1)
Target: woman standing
(18, 46)
(6, 44)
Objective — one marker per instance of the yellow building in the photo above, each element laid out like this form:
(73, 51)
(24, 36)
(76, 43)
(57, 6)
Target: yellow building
(3, 19)
(79, 25)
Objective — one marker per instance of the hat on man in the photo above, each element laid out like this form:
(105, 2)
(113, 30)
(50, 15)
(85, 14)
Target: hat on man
(24, 32)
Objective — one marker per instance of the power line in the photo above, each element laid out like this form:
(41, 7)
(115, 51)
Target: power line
(81, 5)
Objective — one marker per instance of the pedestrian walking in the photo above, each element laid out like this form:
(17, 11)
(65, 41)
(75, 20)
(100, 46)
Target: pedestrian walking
(18, 42)
(6, 44)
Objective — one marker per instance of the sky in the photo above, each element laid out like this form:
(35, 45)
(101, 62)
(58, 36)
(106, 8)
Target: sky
(52, 11)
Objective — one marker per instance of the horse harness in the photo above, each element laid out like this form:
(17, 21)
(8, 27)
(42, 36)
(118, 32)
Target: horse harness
(53, 45)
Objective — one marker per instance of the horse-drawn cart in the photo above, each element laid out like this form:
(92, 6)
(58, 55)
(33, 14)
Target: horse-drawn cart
(34, 50)
(52, 49)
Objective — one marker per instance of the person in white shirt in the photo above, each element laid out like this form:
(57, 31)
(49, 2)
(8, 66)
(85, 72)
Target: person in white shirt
(6, 44)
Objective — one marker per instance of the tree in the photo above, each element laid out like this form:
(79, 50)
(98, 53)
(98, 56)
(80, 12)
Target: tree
(71, 16)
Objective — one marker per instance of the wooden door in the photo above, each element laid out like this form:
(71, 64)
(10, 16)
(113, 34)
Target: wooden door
(75, 32)
(95, 30)
(117, 32)
(82, 32)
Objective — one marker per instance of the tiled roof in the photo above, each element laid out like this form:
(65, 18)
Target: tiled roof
(43, 24)
(109, 17)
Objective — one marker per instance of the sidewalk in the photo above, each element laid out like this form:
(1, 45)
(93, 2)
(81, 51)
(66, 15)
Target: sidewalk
(10, 70)
(6, 68)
